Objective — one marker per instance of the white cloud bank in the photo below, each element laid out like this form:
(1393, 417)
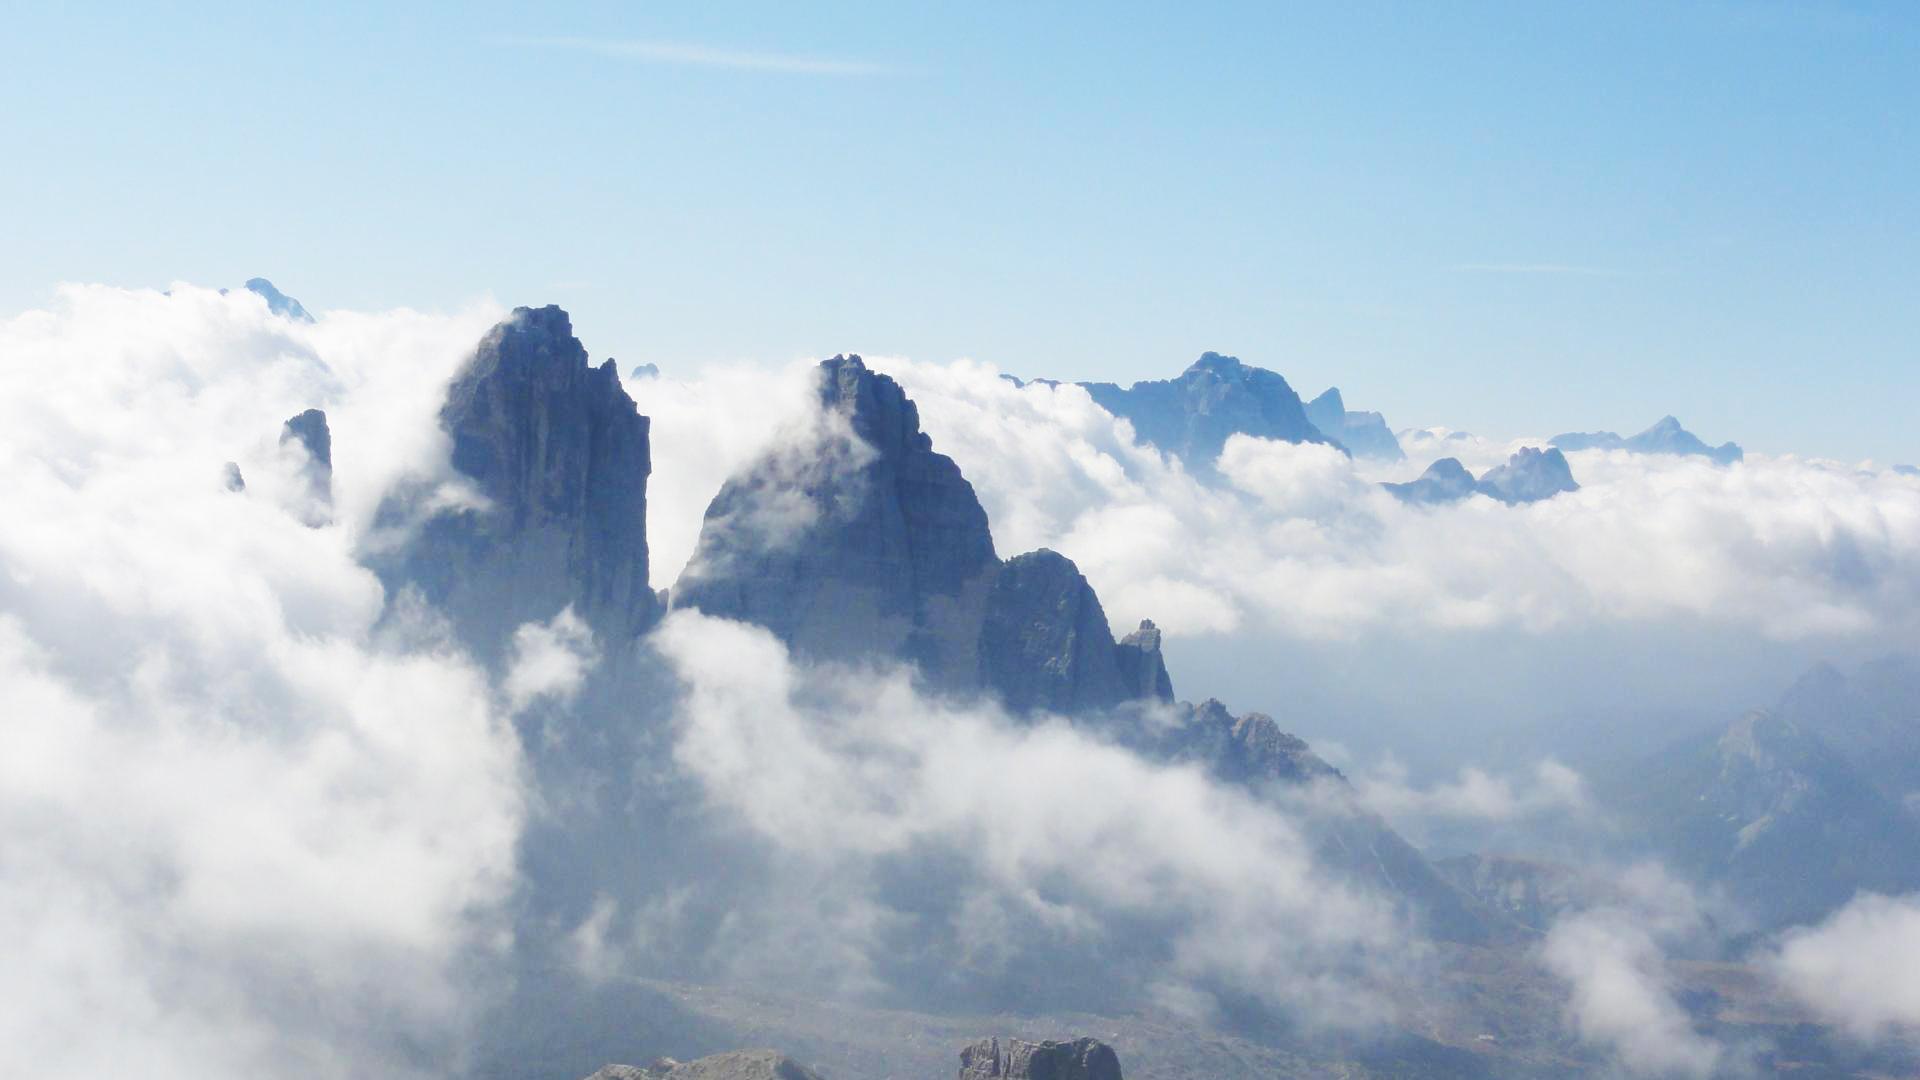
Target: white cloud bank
(1620, 991)
(247, 834)
(1305, 545)
(1860, 968)
(1057, 836)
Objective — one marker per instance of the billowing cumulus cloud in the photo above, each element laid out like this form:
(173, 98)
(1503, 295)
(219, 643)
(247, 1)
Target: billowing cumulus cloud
(1303, 542)
(1041, 833)
(1856, 969)
(253, 830)
(1621, 994)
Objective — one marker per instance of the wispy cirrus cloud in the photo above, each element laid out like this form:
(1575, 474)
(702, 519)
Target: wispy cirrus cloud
(1567, 269)
(690, 55)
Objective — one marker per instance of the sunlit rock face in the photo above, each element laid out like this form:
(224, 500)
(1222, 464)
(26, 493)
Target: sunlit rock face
(1215, 398)
(555, 457)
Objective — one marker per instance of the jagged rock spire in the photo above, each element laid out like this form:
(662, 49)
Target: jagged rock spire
(560, 455)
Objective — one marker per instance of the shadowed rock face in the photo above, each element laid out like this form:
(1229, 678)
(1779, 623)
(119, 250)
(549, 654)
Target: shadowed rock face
(1664, 437)
(860, 541)
(1364, 434)
(309, 430)
(558, 454)
(1193, 415)
(1045, 643)
(1017, 1059)
(1142, 667)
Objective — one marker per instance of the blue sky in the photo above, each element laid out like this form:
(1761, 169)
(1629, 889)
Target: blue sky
(1501, 217)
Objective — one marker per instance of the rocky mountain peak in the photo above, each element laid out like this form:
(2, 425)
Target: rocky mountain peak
(559, 455)
(310, 430)
(278, 302)
(1444, 481)
(1530, 475)
(1215, 398)
(886, 553)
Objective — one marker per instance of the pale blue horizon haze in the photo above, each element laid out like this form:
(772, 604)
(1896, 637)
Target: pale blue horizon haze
(1504, 218)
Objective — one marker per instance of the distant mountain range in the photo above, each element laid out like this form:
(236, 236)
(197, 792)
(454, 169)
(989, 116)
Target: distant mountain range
(1768, 810)
(1664, 437)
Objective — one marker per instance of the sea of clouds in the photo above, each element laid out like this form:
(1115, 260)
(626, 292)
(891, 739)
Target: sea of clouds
(260, 821)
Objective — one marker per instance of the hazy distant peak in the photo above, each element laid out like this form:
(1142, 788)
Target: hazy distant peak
(1666, 436)
(278, 302)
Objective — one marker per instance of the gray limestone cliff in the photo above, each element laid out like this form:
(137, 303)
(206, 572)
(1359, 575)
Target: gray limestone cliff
(1142, 666)
(557, 455)
(857, 540)
(1044, 641)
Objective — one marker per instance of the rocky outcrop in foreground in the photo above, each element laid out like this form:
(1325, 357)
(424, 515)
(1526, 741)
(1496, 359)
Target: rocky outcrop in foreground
(1017, 1059)
(554, 458)
(859, 541)
(732, 1065)
(1217, 397)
